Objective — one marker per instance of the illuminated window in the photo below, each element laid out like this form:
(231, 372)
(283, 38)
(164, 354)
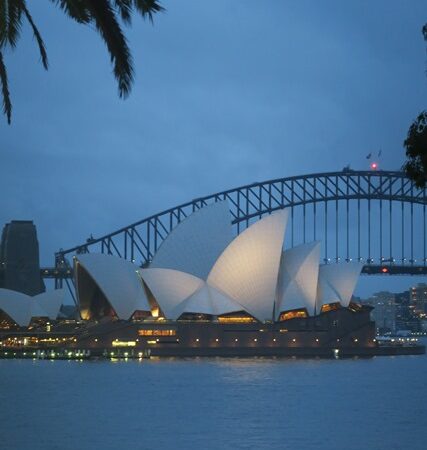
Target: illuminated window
(157, 332)
(330, 307)
(236, 319)
(354, 307)
(294, 314)
(118, 343)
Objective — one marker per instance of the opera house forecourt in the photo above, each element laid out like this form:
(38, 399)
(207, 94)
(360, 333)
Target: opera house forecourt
(205, 293)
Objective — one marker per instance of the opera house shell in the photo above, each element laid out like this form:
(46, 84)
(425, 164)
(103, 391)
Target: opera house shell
(200, 270)
(204, 293)
(20, 309)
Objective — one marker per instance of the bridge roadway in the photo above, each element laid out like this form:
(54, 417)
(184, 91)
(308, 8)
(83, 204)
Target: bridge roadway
(368, 269)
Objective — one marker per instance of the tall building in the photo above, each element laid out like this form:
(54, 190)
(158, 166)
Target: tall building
(19, 258)
(419, 299)
(384, 312)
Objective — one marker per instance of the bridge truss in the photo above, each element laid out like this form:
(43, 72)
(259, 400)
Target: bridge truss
(378, 217)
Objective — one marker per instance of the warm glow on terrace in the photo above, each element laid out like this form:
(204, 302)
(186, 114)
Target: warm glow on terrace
(236, 319)
(296, 314)
(117, 343)
(330, 307)
(157, 332)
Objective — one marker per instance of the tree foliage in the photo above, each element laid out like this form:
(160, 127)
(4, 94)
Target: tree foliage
(416, 151)
(106, 16)
(415, 143)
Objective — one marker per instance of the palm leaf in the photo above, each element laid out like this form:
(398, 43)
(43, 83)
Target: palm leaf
(7, 105)
(147, 8)
(75, 9)
(10, 22)
(108, 27)
(37, 35)
(125, 9)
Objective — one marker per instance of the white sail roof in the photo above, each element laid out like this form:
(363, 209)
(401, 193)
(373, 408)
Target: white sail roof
(17, 306)
(170, 288)
(118, 280)
(22, 308)
(50, 302)
(337, 282)
(179, 292)
(297, 287)
(247, 270)
(194, 245)
(208, 300)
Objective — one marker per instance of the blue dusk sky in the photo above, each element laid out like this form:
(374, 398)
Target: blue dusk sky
(226, 93)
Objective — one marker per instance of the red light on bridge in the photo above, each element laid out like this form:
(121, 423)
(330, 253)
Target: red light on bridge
(384, 270)
(374, 166)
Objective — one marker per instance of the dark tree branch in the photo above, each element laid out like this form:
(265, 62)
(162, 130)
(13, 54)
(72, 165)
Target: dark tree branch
(7, 105)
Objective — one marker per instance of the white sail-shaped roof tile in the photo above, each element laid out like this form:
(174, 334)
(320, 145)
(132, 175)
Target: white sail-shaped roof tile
(247, 270)
(194, 245)
(118, 280)
(17, 306)
(337, 282)
(208, 300)
(297, 287)
(50, 302)
(170, 288)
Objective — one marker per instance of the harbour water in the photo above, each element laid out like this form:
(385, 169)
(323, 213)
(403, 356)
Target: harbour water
(214, 403)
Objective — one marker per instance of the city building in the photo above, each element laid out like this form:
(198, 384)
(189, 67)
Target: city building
(384, 312)
(19, 258)
(418, 299)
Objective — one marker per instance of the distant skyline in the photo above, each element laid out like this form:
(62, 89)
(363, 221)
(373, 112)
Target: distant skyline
(225, 94)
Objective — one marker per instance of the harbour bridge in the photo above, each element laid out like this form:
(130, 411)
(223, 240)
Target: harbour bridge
(376, 217)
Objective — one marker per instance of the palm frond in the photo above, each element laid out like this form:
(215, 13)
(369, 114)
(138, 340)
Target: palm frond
(125, 9)
(10, 22)
(7, 104)
(108, 27)
(37, 35)
(75, 9)
(147, 8)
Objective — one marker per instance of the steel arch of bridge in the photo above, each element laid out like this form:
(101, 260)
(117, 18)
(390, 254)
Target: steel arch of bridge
(390, 191)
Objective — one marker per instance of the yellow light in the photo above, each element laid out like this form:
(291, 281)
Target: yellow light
(236, 319)
(296, 314)
(118, 343)
(151, 342)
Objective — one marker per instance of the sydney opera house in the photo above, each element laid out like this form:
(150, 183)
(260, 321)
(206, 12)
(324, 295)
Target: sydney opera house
(206, 292)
